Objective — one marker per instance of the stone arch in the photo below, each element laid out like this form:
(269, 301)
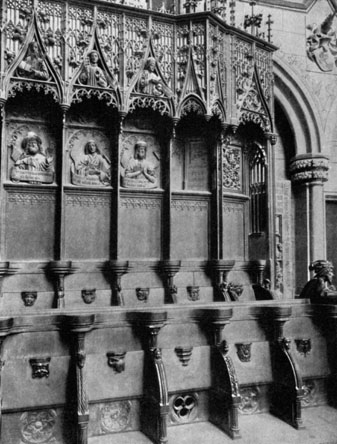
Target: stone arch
(299, 107)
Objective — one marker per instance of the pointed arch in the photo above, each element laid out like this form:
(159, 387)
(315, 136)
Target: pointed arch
(191, 103)
(107, 91)
(161, 99)
(53, 84)
(191, 85)
(300, 108)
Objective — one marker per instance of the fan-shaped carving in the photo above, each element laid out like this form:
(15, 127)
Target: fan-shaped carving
(192, 104)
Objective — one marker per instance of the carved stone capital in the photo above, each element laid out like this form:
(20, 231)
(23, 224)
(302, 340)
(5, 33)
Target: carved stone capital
(308, 168)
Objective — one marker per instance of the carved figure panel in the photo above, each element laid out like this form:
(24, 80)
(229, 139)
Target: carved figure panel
(150, 82)
(33, 66)
(31, 152)
(89, 152)
(140, 161)
(37, 427)
(92, 74)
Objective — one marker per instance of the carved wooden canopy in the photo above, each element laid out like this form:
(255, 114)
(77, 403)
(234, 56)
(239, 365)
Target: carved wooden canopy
(135, 58)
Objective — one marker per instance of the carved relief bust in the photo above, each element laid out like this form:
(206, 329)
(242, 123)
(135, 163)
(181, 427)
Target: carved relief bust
(32, 163)
(139, 172)
(90, 161)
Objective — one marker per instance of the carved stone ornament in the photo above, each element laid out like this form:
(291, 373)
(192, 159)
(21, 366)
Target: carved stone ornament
(90, 158)
(88, 296)
(142, 294)
(33, 66)
(150, 82)
(193, 293)
(305, 169)
(249, 400)
(244, 351)
(116, 360)
(231, 167)
(184, 354)
(115, 416)
(29, 298)
(38, 427)
(40, 367)
(137, 170)
(184, 408)
(309, 392)
(33, 161)
(92, 74)
(303, 346)
(322, 44)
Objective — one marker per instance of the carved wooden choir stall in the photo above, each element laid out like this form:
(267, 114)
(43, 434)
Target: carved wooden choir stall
(137, 221)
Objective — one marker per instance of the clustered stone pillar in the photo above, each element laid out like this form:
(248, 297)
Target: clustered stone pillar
(308, 174)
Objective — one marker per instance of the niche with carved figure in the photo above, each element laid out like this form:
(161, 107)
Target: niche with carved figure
(143, 147)
(90, 141)
(31, 153)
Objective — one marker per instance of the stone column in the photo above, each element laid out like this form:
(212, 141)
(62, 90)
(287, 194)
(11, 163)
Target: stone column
(308, 174)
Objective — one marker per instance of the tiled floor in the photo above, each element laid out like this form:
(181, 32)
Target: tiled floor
(320, 428)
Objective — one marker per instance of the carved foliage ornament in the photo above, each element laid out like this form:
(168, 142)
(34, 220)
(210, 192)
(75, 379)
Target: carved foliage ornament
(249, 400)
(231, 167)
(37, 427)
(309, 169)
(115, 416)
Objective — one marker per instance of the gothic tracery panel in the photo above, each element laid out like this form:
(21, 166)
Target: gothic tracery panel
(136, 34)
(50, 17)
(19, 13)
(162, 40)
(108, 30)
(79, 35)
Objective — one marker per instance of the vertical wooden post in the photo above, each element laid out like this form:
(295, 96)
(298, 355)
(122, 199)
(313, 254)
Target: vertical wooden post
(79, 326)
